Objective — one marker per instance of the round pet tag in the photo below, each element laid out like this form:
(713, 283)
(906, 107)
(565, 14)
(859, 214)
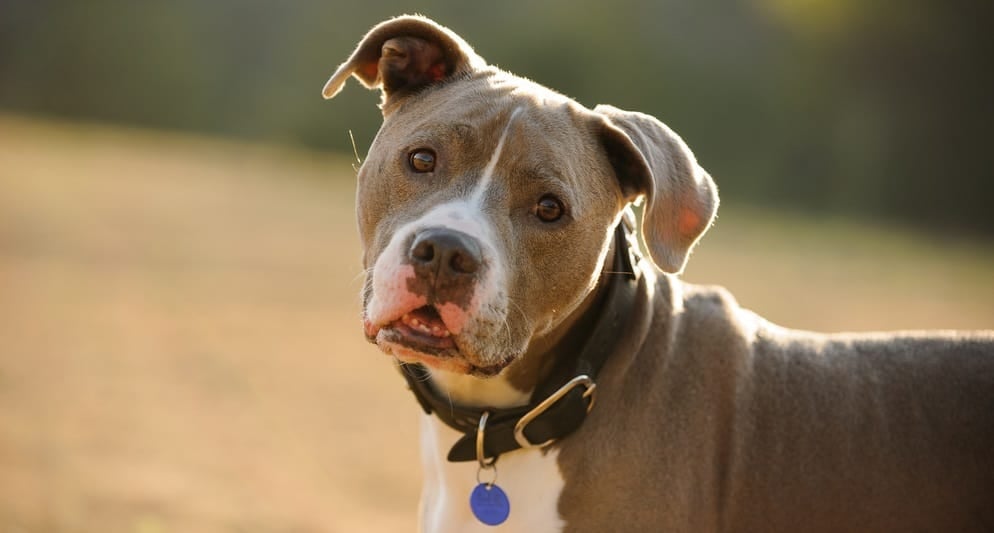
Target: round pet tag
(489, 504)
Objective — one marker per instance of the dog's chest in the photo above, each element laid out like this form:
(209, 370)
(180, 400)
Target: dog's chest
(530, 478)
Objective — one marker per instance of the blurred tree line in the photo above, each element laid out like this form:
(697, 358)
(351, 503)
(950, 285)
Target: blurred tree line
(878, 107)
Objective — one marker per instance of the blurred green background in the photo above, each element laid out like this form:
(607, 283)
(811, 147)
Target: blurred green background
(878, 108)
(180, 342)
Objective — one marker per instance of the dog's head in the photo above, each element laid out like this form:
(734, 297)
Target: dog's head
(487, 202)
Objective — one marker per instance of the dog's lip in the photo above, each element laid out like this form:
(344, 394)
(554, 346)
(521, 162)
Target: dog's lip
(450, 364)
(447, 362)
(409, 345)
(420, 326)
(418, 331)
(414, 337)
(420, 336)
(424, 320)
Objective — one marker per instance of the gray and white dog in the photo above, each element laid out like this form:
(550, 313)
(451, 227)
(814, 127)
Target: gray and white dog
(493, 214)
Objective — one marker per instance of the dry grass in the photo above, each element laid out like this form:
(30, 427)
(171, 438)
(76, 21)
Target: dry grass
(180, 349)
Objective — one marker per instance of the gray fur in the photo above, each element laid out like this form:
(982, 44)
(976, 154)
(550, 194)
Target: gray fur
(713, 419)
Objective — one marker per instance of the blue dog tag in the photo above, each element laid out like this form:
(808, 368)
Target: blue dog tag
(489, 504)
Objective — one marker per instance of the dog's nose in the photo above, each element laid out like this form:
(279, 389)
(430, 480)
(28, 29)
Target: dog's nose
(445, 251)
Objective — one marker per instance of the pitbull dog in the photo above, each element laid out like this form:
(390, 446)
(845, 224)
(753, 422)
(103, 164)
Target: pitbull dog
(588, 384)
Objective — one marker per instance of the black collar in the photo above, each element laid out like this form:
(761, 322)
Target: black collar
(559, 405)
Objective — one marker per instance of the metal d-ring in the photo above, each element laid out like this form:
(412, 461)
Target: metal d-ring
(480, 435)
(590, 392)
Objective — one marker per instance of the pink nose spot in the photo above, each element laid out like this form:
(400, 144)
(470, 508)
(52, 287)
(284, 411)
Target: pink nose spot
(369, 328)
(455, 317)
(393, 297)
(395, 280)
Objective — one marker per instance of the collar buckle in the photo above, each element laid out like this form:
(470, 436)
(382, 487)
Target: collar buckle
(590, 392)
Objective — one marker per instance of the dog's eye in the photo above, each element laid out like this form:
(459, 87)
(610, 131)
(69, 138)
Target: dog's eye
(422, 160)
(549, 208)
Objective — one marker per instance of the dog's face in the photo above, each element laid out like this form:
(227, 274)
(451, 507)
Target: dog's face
(485, 208)
(487, 203)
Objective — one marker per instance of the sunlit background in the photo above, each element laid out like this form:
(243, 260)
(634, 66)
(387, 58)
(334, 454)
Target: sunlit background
(180, 344)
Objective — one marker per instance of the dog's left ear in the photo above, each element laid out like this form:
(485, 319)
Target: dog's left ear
(652, 161)
(403, 55)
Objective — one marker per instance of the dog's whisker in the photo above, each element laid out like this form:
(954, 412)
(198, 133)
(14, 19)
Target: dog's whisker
(524, 317)
(366, 273)
(424, 378)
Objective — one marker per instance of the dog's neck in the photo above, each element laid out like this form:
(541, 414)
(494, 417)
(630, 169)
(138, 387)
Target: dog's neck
(545, 355)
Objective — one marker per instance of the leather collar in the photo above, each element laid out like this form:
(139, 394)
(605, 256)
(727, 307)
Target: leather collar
(561, 403)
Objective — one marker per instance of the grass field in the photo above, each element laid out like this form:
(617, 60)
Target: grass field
(180, 345)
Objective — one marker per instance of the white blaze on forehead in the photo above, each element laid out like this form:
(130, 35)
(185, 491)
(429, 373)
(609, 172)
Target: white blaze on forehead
(391, 298)
(488, 171)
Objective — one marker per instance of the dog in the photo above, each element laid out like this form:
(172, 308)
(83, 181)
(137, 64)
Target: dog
(573, 383)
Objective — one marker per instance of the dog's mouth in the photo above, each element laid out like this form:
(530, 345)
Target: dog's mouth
(421, 336)
(423, 330)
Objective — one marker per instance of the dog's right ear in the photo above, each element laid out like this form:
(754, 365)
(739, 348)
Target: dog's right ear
(403, 55)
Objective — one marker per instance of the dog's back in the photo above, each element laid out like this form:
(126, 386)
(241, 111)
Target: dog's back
(864, 432)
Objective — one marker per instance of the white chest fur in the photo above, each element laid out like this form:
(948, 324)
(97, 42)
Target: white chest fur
(530, 478)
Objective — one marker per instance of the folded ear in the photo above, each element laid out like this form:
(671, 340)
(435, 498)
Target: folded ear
(403, 55)
(653, 161)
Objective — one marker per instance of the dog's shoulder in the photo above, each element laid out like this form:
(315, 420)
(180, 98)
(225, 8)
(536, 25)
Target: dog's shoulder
(708, 311)
(704, 323)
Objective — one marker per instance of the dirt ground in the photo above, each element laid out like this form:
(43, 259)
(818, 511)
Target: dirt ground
(180, 344)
